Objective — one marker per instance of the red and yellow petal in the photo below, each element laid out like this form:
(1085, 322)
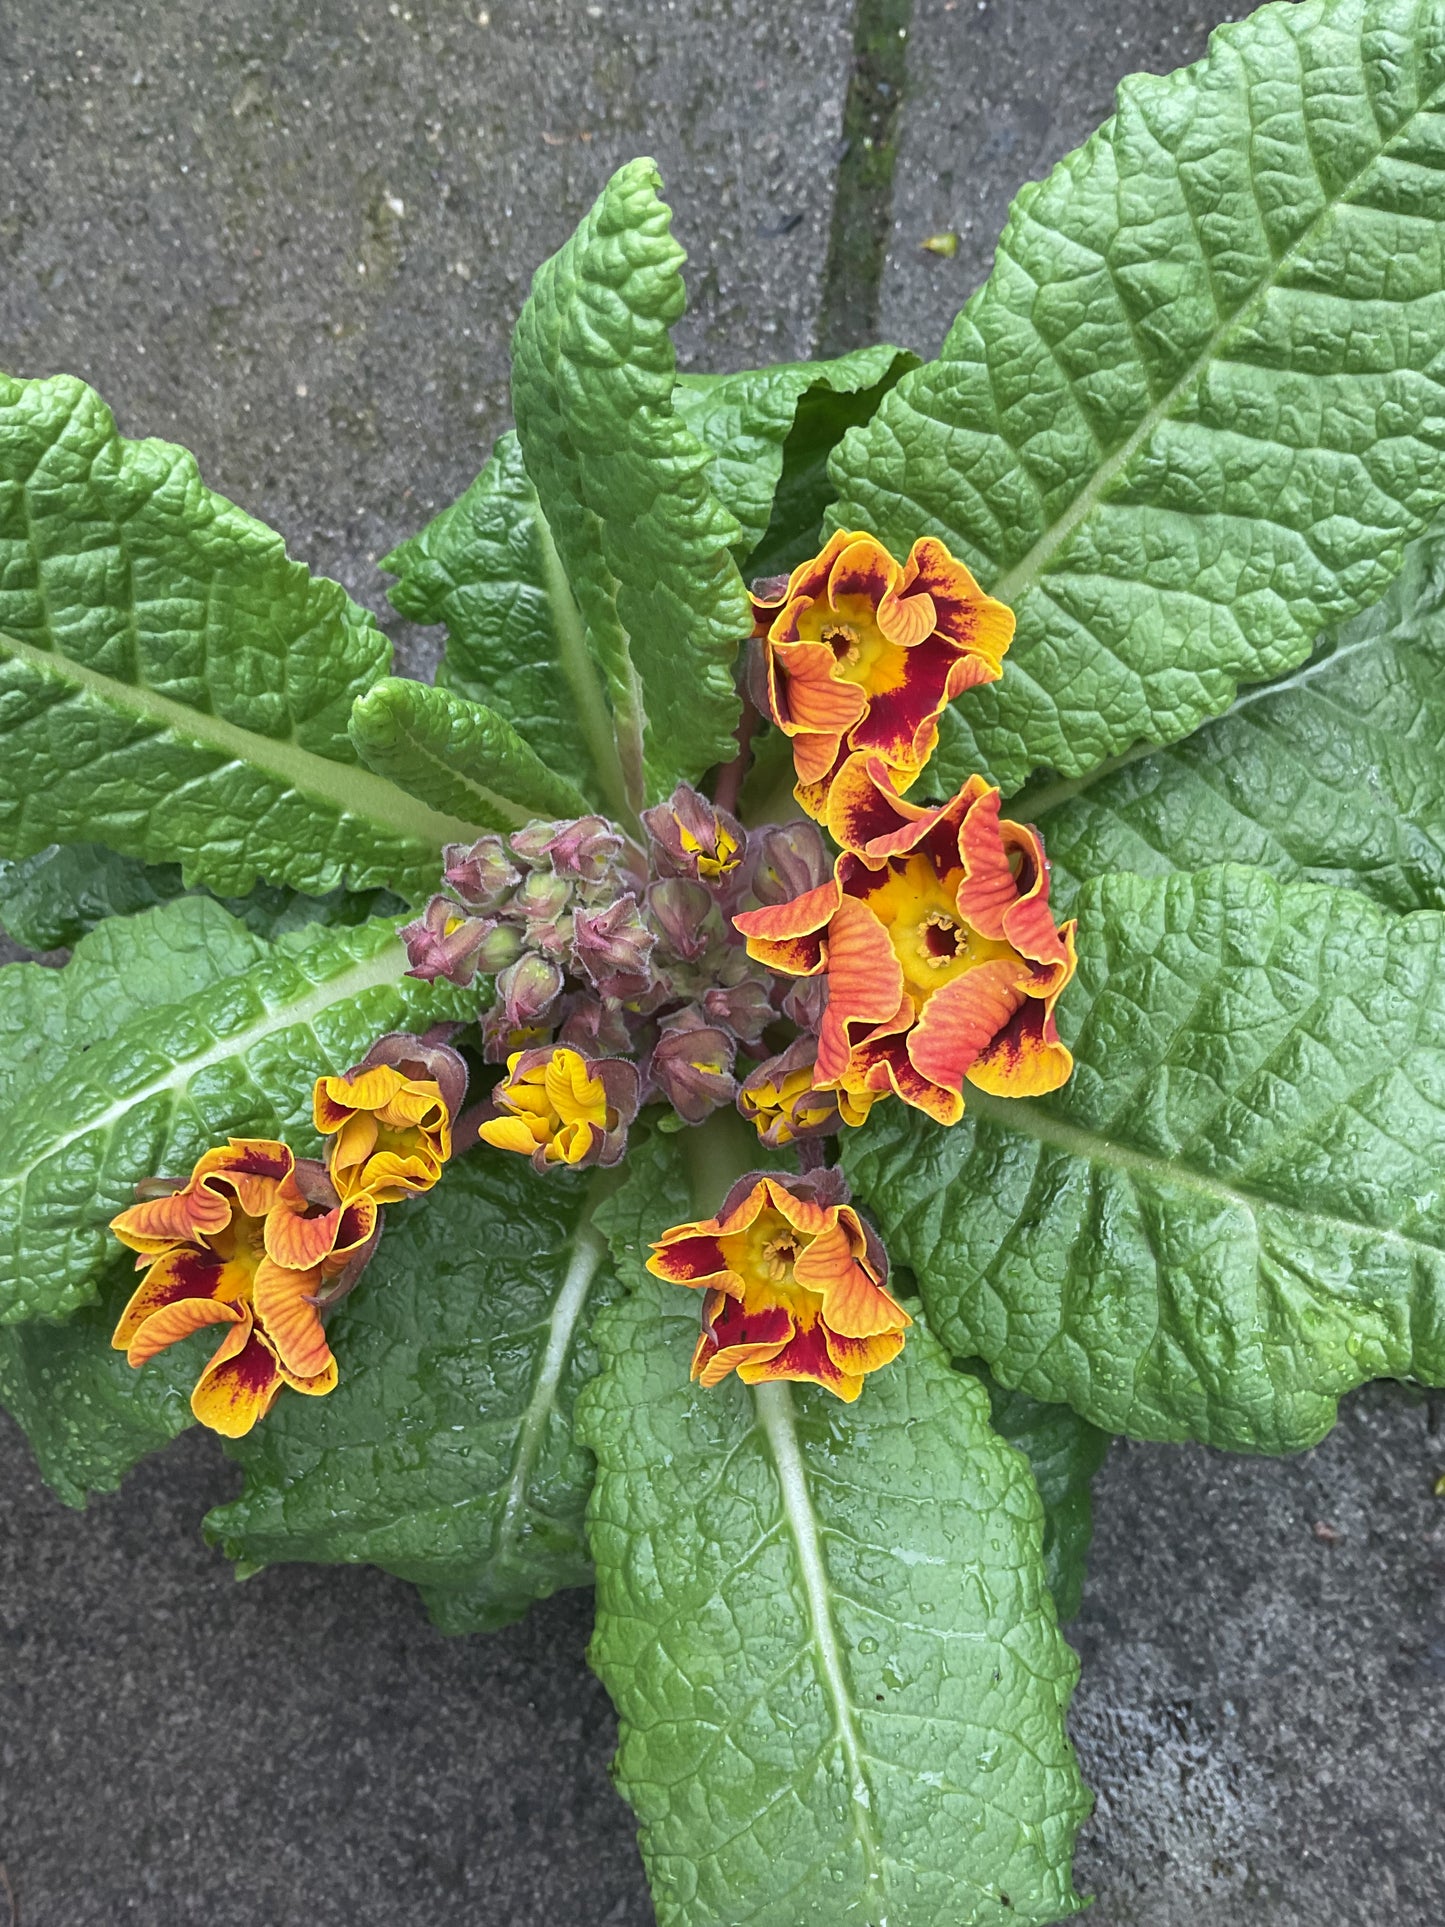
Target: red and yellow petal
(733, 1338)
(180, 1274)
(689, 1254)
(239, 1385)
(855, 1357)
(865, 983)
(171, 1323)
(805, 1357)
(792, 937)
(285, 1310)
(1025, 1058)
(961, 1020)
(854, 1303)
(975, 623)
(881, 1063)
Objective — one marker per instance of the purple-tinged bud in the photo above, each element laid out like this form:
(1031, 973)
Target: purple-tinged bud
(530, 842)
(595, 1027)
(544, 903)
(745, 1009)
(789, 860)
(682, 911)
(691, 837)
(527, 990)
(613, 947)
(803, 1002)
(586, 849)
(481, 873)
(691, 1066)
(444, 943)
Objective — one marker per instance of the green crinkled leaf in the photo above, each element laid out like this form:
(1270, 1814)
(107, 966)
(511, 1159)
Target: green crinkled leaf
(88, 1416)
(1334, 775)
(1195, 412)
(1233, 1212)
(171, 684)
(826, 1628)
(457, 756)
(770, 432)
(52, 899)
(446, 1453)
(624, 487)
(487, 568)
(1064, 1452)
(238, 1058)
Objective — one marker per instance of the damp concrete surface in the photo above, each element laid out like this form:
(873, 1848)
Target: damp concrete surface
(295, 238)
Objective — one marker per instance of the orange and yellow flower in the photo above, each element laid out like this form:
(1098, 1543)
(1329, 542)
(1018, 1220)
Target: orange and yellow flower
(864, 653)
(558, 1107)
(941, 956)
(794, 1283)
(391, 1132)
(256, 1242)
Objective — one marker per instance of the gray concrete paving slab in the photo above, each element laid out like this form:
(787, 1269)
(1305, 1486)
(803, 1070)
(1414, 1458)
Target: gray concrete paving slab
(295, 237)
(998, 90)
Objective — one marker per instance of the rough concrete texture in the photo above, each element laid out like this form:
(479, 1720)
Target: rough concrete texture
(998, 90)
(1262, 1707)
(296, 237)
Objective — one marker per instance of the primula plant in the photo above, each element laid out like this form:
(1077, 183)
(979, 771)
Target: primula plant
(905, 938)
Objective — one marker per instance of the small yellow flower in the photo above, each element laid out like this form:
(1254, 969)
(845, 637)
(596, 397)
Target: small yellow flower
(781, 1100)
(392, 1132)
(558, 1107)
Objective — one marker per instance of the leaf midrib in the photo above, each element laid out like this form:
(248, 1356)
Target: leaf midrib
(1021, 577)
(347, 787)
(777, 1417)
(589, 1248)
(385, 967)
(1024, 1116)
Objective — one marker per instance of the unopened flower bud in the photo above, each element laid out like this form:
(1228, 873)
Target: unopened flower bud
(585, 849)
(527, 990)
(744, 1008)
(682, 910)
(691, 1066)
(789, 860)
(779, 1099)
(613, 946)
(544, 904)
(501, 945)
(443, 942)
(481, 873)
(530, 842)
(691, 837)
(595, 1027)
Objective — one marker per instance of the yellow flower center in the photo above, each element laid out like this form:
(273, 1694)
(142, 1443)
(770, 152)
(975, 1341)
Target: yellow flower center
(240, 1247)
(711, 863)
(763, 1256)
(862, 653)
(919, 910)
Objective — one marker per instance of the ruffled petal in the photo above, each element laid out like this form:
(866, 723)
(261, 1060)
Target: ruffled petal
(240, 1385)
(286, 1312)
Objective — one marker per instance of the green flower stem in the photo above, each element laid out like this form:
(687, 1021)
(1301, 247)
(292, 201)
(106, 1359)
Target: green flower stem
(716, 1154)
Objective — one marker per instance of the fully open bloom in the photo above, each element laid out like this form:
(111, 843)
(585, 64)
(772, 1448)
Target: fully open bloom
(934, 934)
(558, 1107)
(863, 654)
(213, 1249)
(390, 1119)
(793, 1281)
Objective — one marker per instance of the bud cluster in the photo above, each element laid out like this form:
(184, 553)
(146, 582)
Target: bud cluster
(600, 947)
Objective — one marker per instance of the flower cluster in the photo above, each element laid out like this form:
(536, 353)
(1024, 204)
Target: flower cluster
(263, 1242)
(620, 977)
